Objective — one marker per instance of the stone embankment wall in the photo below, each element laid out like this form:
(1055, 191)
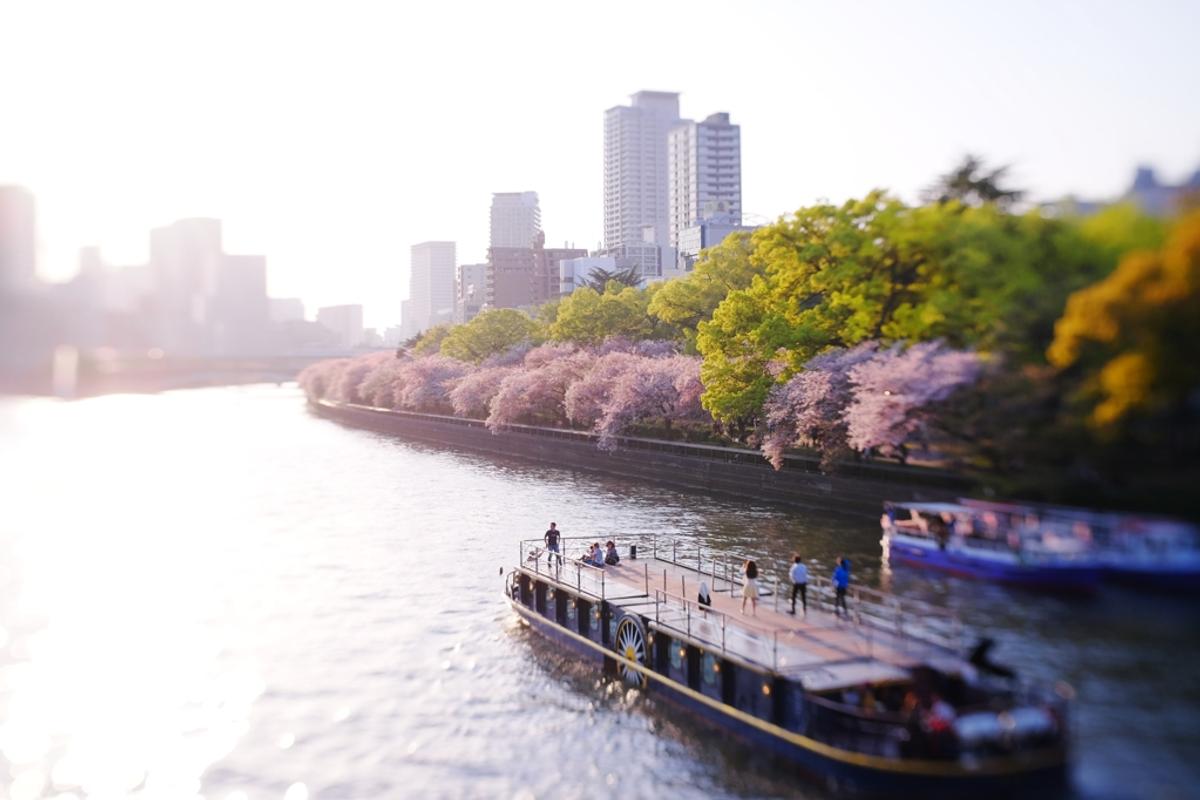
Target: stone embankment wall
(734, 472)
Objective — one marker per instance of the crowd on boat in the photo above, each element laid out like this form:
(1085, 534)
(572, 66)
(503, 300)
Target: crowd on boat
(1052, 546)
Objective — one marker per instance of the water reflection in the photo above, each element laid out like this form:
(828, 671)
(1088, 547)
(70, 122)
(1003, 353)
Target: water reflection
(212, 593)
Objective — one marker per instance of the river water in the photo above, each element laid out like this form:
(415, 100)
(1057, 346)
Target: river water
(215, 594)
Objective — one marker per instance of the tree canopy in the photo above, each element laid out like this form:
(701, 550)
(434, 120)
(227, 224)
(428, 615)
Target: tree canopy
(589, 317)
(1137, 332)
(491, 332)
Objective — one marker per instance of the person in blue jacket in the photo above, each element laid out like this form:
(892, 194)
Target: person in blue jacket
(841, 582)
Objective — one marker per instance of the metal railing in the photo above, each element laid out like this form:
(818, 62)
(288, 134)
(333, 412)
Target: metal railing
(563, 567)
(873, 614)
(706, 625)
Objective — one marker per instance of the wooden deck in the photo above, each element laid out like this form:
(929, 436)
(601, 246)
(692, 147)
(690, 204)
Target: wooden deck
(823, 650)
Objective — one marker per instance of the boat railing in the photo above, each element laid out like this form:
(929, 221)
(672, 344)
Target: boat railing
(710, 627)
(909, 622)
(566, 566)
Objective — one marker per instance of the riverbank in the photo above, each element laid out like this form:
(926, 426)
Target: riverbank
(857, 489)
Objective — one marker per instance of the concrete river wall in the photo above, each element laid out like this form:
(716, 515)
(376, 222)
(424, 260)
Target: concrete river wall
(857, 489)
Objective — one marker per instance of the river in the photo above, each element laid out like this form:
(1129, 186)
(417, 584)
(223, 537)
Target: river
(213, 593)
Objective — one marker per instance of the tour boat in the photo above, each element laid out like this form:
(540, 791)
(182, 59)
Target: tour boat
(1148, 551)
(990, 544)
(878, 700)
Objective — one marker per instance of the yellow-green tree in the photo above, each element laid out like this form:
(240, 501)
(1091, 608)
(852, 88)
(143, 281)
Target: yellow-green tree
(1136, 334)
(588, 317)
(489, 333)
(686, 302)
(431, 340)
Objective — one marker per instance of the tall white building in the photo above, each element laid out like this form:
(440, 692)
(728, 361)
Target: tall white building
(431, 285)
(346, 322)
(706, 175)
(18, 240)
(516, 219)
(636, 178)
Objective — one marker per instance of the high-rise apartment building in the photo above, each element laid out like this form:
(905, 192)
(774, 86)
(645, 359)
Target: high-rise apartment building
(471, 291)
(705, 175)
(431, 285)
(516, 219)
(18, 239)
(637, 177)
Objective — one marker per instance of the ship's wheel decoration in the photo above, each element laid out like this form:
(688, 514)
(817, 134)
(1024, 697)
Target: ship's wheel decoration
(631, 643)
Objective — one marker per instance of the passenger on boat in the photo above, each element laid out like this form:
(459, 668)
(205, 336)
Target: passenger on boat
(799, 576)
(597, 555)
(841, 582)
(589, 558)
(551, 538)
(612, 557)
(750, 587)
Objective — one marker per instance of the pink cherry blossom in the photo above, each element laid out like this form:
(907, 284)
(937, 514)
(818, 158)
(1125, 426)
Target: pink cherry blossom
(893, 392)
(473, 393)
(808, 409)
(425, 383)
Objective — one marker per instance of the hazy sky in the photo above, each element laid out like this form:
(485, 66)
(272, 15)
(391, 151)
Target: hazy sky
(332, 135)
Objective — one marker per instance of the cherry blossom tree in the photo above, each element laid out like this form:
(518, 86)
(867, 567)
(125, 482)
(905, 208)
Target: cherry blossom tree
(809, 408)
(425, 383)
(321, 379)
(473, 393)
(894, 390)
(535, 394)
(585, 399)
(665, 390)
(355, 374)
(379, 388)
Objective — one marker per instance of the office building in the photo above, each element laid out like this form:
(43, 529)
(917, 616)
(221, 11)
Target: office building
(701, 237)
(344, 322)
(431, 286)
(637, 177)
(546, 267)
(18, 240)
(470, 291)
(516, 219)
(705, 175)
(286, 309)
(203, 299)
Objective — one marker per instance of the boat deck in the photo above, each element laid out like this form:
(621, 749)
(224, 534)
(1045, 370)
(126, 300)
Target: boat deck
(875, 643)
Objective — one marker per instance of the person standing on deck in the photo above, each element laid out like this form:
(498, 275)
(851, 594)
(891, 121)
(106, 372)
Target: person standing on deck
(551, 539)
(799, 576)
(750, 588)
(841, 582)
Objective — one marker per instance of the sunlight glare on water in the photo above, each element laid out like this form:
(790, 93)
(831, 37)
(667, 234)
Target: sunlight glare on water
(215, 594)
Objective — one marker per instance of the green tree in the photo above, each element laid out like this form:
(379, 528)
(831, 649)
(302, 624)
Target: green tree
(489, 333)
(687, 301)
(589, 317)
(431, 340)
(834, 276)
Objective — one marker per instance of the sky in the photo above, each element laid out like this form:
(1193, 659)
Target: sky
(331, 136)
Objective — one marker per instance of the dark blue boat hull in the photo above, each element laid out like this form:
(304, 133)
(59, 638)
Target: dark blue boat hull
(836, 773)
(1053, 578)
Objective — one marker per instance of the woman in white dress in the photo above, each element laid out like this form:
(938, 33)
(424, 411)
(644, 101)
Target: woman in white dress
(750, 587)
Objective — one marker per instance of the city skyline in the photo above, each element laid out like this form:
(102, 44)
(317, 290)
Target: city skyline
(1073, 103)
